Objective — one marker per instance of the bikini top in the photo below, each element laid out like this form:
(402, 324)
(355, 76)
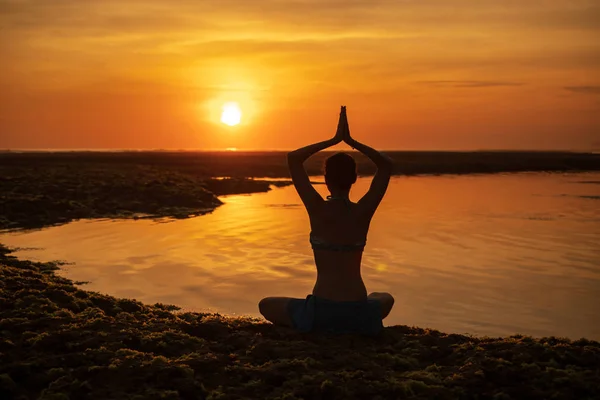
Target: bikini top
(320, 244)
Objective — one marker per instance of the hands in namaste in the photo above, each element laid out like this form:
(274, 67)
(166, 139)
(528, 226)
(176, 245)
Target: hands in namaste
(343, 131)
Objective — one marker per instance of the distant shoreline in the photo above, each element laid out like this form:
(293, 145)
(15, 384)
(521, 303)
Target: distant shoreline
(274, 164)
(231, 150)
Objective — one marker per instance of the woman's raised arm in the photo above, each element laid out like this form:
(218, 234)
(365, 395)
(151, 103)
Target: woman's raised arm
(370, 201)
(310, 197)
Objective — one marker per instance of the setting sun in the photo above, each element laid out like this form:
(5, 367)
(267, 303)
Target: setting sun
(232, 114)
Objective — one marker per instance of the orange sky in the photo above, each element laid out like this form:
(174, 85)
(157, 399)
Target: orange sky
(420, 74)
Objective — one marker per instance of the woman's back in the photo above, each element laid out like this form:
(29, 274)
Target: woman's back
(338, 221)
(338, 236)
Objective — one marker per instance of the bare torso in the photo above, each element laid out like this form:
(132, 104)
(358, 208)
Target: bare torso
(338, 272)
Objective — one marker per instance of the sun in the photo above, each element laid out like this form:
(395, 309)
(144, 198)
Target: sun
(232, 115)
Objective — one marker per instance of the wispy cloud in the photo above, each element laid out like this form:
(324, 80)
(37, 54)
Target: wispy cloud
(583, 89)
(470, 84)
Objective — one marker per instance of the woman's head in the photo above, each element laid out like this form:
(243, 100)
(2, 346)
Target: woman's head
(340, 172)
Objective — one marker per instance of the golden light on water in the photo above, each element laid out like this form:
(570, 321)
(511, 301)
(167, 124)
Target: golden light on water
(232, 114)
(381, 267)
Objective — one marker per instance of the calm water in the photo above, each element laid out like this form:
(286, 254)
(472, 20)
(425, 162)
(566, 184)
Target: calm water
(485, 255)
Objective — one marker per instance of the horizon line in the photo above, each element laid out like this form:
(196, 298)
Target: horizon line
(234, 150)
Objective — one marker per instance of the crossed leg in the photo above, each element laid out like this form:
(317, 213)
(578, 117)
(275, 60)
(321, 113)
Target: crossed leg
(275, 309)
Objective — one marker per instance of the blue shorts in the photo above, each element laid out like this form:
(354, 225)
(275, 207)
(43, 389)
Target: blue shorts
(315, 314)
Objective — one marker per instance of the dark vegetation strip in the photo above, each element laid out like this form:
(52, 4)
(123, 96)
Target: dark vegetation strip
(273, 164)
(60, 342)
(34, 196)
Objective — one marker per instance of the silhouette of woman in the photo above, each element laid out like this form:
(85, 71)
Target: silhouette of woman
(339, 301)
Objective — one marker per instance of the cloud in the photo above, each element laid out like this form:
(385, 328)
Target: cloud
(583, 89)
(157, 17)
(470, 84)
(139, 33)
